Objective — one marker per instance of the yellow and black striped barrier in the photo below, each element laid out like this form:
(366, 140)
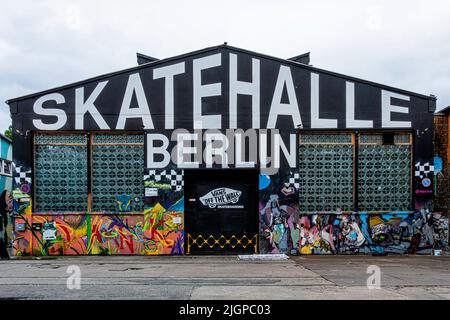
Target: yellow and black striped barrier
(222, 242)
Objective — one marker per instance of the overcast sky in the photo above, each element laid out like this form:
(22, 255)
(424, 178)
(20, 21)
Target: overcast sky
(43, 44)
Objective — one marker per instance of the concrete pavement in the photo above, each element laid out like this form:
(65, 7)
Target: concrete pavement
(226, 277)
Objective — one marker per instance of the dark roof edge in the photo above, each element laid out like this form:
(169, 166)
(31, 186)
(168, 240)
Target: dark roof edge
(443, 111)
(284, 61)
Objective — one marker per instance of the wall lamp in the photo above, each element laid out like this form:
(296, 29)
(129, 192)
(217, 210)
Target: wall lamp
(23, 133)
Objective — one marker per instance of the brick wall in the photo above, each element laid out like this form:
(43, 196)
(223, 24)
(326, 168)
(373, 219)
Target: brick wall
(440, 144)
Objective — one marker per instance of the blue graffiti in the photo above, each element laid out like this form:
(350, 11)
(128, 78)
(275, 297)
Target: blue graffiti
(438, 166)
(389, 216)
(365, 228)
(123, 202)
(376, 249)
(264, 181)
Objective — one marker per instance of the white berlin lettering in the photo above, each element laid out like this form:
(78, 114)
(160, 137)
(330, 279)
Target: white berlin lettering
(211, 148)
(214, 150)
(54, 105)
(152, 150)
(188, 151)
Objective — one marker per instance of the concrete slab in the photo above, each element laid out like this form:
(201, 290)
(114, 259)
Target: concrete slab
(293, 293)
(226, 277)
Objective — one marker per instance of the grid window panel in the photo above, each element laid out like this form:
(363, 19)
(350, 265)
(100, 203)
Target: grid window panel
(384, 173)
(60, 167)
(326, 172)
(117, 170)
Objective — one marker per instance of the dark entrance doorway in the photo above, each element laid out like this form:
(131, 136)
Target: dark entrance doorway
(221, 211)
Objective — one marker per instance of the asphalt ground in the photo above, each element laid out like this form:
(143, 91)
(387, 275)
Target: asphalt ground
(225, 278)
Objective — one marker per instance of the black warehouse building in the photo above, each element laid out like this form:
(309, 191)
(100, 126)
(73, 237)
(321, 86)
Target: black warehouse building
(223, 150)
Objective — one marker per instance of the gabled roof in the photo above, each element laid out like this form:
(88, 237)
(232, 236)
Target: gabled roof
(222, 46)
(446, 110)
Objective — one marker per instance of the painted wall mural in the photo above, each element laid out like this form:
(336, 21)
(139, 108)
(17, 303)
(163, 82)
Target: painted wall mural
(156, 231)
(160, 228)
(283, 229)
(152, 233)
(440, 228)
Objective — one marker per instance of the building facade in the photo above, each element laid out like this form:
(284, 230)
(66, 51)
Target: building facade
(223, 150)
(441, 170)
(6, 161)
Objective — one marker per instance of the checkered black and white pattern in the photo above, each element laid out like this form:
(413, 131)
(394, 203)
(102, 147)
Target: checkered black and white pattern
(170, 176)
(294, 180)
(423, 169)
(22, 176)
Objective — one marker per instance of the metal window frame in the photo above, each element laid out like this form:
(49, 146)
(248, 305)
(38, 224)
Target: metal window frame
(356, 133)
(90, 171)
(33, 160)
(89, 146)
(331, 131)
(411, 169)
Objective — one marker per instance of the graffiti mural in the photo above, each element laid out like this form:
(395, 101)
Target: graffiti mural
(283, 229)
(154, 232)
(279, 213)
(164, 210)
(440, 230)
(365, 233)
(157, 230)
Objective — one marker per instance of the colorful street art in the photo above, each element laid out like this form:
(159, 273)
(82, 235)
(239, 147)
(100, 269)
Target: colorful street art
(284, 230)
(159, 230)
(440, 230)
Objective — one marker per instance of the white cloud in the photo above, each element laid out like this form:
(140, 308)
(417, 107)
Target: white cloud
(50, 43)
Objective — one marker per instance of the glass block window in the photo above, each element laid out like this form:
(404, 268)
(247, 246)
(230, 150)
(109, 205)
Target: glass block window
(384, 173)
(117, 170)
(61, 172)
(326, 172)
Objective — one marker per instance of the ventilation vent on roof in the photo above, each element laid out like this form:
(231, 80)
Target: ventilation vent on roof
(303, 58)
(142, 58)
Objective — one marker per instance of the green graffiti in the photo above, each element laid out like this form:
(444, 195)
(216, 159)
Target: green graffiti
(162, 186)
(17, 193)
